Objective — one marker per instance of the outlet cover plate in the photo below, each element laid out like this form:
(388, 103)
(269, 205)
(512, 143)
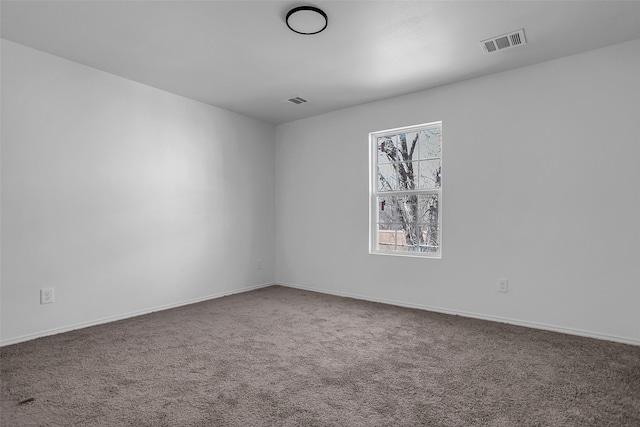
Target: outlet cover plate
(46, 295)
(503, 285)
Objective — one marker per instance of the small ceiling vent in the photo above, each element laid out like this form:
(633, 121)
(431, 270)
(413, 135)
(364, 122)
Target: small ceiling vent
(297, 100)
(504, 41)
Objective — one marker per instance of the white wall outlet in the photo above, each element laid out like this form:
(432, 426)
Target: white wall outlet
(259, 264)
(46, 295)
(503, 285)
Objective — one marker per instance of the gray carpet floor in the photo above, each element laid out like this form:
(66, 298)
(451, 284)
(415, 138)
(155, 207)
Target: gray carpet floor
(286, 357)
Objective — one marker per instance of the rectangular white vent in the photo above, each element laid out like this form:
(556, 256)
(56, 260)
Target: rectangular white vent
(297, 100)
(505, 41)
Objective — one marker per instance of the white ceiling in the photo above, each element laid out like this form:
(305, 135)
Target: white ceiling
(240, 55)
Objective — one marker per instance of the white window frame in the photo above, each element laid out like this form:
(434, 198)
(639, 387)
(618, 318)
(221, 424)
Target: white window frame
(375, 193)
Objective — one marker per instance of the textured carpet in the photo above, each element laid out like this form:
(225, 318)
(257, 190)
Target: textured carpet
(286, 357)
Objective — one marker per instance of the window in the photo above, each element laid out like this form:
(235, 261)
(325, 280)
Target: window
(406, 191)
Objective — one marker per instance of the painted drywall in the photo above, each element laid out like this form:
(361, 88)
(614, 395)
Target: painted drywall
(541, 185)
(122, 197)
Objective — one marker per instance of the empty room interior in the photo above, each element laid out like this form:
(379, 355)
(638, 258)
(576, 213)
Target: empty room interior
(333, 213)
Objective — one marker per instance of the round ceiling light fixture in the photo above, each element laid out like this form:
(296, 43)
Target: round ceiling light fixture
(306, 20)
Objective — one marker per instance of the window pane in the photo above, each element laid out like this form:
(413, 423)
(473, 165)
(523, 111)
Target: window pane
(429, 223)
(390, 149)
(430, 175)
(398, 146)
(407, 207)
(388, 226)
(383, 147)
(411, 140)
(407, 175)
(387, 178)
(430, 144)
(387, 212)
(387, 238)
(429, 238)
(410, 152)
(428, 208)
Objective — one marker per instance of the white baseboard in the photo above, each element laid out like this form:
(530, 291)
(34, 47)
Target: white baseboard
(81, 325)
(516, 322)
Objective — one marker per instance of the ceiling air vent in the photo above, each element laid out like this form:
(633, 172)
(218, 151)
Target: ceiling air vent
(297, 100)
(504, 41)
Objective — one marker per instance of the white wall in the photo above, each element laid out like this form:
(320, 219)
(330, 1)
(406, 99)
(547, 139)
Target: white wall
(541, 185)
(125, 198)
(122, 197)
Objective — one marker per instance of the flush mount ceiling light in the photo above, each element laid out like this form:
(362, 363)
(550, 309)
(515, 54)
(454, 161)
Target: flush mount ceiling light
(306, 20)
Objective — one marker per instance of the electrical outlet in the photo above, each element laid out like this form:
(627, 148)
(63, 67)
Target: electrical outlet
(503, 285)
(46, 295)
(259, 264)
